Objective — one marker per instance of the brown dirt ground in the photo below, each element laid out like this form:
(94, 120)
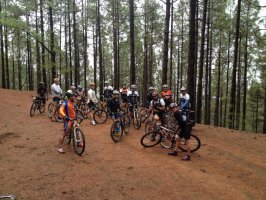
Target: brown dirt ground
(229, 165)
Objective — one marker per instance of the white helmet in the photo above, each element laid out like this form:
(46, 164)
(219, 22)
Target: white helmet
(183, 88)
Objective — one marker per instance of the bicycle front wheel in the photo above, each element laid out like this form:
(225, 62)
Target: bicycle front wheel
(136, 121)
(79, 141)
(149, 126)
(194, 144)
(116, 132)
(126, 124)
(151, 139)
(100, 116)
(32, 109)
(50, 110)
(144, 115)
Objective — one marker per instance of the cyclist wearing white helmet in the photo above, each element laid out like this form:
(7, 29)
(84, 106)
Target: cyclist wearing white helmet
(133, 98)
(67, 111)
(108, 90)
(183, 99)
(149, 96)
(79, 92)
(114, 104)
(157, 106)
(184, 133)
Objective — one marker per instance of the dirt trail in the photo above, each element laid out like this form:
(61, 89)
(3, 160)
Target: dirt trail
(229, 165)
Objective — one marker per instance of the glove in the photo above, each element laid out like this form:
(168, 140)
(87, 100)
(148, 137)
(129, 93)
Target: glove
(66, 118)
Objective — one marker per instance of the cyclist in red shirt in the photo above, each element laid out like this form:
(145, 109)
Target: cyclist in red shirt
(167, 95)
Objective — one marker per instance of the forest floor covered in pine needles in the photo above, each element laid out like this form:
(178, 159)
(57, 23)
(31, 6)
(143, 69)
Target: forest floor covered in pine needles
(229, 165)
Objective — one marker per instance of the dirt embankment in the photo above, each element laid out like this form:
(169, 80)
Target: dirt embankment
(229, 165)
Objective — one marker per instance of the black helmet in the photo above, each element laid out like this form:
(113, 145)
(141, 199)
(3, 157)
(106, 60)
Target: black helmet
(69, 93)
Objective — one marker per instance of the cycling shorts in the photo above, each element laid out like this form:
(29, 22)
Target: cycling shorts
(68, 125)
(185, 131)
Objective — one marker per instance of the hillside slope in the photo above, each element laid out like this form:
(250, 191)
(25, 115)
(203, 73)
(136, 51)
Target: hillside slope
(229, 165)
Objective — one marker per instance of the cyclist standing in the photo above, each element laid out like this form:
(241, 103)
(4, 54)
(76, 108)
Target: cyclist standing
(149, 96)
(183, 99)
(108, 89)
(123, 92)
(167, 95)
(56, 94)
(42, 93)
(157, 106)
(133, 98)
(114, 104)
(184, 133)
(92, 100)
(67, 111)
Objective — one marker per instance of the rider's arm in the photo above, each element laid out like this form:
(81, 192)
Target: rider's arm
(62, 110)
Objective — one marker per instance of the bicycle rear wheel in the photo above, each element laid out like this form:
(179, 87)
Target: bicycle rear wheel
(32, 109)
(50, 110)
(168, 141)
(100, 116)
(79, 141)
(116, 132)
(151, 139)
(194, 143)
(143, 115)
(57, 116)
(79, 117)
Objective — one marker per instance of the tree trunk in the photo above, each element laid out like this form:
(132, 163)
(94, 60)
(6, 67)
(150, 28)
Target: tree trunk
(210, 80)
(245, 75)
(132, 44)
(52, 40)
(191, 55)
(44, 76)
(19, 62)
(227, 79)
(66, 55)
(165, 43)
(100, 48)
(206, 91)
(38, 57)
(2, 53)
(70, 42)
(7, 62)
(75, 40)
(95, 55)
(264, 118)
(145, 67)
(171, 46)
(238, 103)
(13, 66)
(115, 22)
(29, 58)
(85, 45)
(199, 96)
(233, 86)
(217, 102)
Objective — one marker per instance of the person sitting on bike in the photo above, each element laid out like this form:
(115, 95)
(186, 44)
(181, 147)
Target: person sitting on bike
(42, 93)
(92, 100)
(79, 92)
(167, 95)
(114, 105)
(157, 106)
(56, 95)
(133, 98)
(108, 90)
(183, 99)
(123, 92)
(149, 96)
(184, 132)
(67, 111)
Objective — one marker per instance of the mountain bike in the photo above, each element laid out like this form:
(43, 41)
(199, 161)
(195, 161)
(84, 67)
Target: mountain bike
(120, 126)
(51, 108)
(135, 117)
(37, 104)
(167, 139)
(77, 137)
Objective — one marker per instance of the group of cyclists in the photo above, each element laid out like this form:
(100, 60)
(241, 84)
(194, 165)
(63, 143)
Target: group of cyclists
(120, 99)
